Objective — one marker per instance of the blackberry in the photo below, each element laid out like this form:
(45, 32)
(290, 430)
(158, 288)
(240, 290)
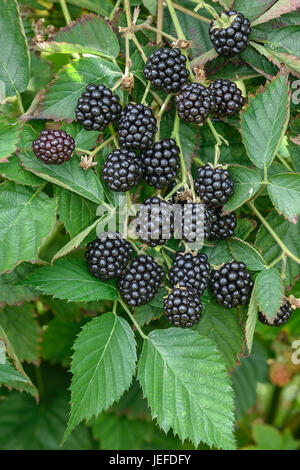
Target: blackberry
(230, 33)
(183, 307)
(281, 318)
(137, 127)
(192, 271)
(166, 70)
(226, 98)
(231, 285)
(214, 185)
(161, 163)
(195, 222)
(97, 108)
(140, 282)
(108, 255)
(155, 222)
(193, 103)
(53, 147)
(223, 226)
(122, 170)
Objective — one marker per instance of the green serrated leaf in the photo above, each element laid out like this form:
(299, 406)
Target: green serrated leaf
(10, 292)
(88, 35)
(102, 367)
(277, 10)
(245, 377)
(253, 9)
(243, 251)
(251, 320)
(269, 292)
(22, 330)
(10, 377)
(264, 122)
(246, 184)
(69, 279)
(26, 218)
(61, 98)
(12, 170)
(15, 59)
(9, 132)
(223, 327)
(284, 191)
(289, 234)
(183, 376)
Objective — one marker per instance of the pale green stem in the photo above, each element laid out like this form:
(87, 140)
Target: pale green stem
(284, 248)
(112, 14)
(133, 319)
(191, 13)
(175, 135)
(65, 11)
(20, 104)
(146, 93)
(284, 162)
(113, 134)
(159, 116)
(211, 10)
(277, 260)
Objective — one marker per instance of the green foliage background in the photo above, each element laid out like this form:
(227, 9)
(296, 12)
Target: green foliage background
(132, 381)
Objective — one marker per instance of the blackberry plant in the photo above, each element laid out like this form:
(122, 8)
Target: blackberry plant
(190, 111)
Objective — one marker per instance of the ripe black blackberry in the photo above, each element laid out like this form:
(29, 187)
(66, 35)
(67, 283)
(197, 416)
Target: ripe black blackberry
(137, 127)
(53, 147)
(196, 222)
(161, 163)
(156, 222)
(282, 316)
(122, 170)
(193, 103)
(230, 33)
(97, 108)
(214, 185)
(231, 285)
(223, 226)
(166, 70)
(183, 307)
(226, 98)
(141, 281)
(192, 271)
(108, 255)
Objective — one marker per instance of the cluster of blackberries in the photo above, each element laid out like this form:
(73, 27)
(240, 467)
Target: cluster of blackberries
(189, 276)
(108, 257)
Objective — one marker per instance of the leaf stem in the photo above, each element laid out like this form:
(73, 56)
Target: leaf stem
(114, 135)
(167, 261)
(176, 23)
(284, 248)
(160, 20)
(161, 111)
(202, 4)
(133, 319)
(284, 162)
(115, 8)
(146, 93)
(65, 11)
(20, 104)
(277, 260)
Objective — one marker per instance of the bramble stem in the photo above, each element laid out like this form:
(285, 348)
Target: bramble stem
(284, 162)
(133, 319)
(65, 11)
(20, 104)
(202, 4)
(116, 85)
(284, 248)
(113, 134)
(160, 20)
(167, 261)
(159, 116)
(191, 13)
(175, 135)
(176, 23)
(116, 7)
(146, 93)
(276, 261)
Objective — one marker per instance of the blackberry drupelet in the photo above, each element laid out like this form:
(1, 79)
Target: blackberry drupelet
(183, 307)
(140, 282)
(231, 285)
(53, 146)
(192, 271)
(196, 222)
(108, 255)
(230, 33)
(223, 226)
(156, 222)
(282, 316)
(161, 163)
(193, 103)
(226, 98)
(137, 127)
(97, 108)
(122, 170)
(214, 185)
(166, 70)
